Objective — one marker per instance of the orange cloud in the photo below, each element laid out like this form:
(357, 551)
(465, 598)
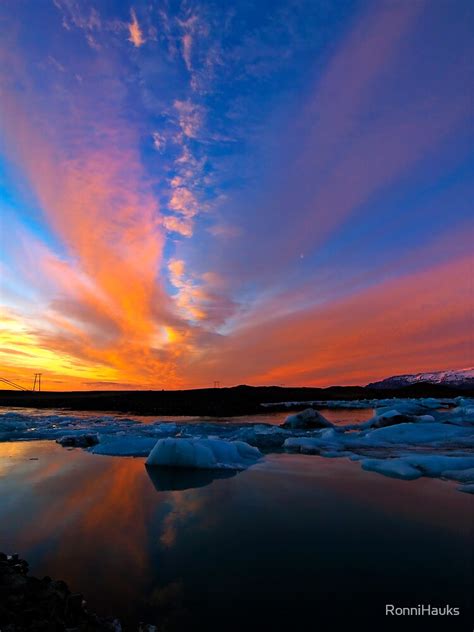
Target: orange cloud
(414, 323)
(136, 34)
(106, 307)
(100, 313)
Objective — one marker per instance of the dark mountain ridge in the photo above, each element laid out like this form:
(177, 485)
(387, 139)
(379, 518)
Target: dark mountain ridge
(236, 400)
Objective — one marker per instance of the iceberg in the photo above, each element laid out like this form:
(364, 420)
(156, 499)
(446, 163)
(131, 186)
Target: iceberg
(396, 468)
(411, 405)
(406, 438)
(125, 446)
(392, 418)
(420, 434)
(469, 489)
(414, 466)
(463, 476)
(308, 418)
(262, 436)
(409, 447)
(208, 454)
(78, 441)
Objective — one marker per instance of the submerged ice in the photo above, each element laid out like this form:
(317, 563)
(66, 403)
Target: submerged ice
(406, 438)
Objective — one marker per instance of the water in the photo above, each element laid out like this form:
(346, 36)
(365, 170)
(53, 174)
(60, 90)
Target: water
(338, 417)
(294, 539)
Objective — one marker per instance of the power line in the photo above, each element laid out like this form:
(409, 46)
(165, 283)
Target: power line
(10, 383)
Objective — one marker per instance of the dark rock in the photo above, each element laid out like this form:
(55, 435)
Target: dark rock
(28, 604)
(75, 604)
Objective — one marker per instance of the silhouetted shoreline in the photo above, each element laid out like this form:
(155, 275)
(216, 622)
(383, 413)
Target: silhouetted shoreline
(30, 603)
(213, 402)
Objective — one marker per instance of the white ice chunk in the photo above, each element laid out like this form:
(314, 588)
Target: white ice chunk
(203, 454)
(416, 465)
(303, 445)
(435, 465)
(396, 468)
(262, 436)
(424, 433)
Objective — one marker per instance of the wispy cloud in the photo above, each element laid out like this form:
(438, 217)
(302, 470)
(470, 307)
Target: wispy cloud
(258, 196)
(201, 298)
(159, 141)
(87, 19)
(192, 26)
(183, 201)
(135, 33)
(190, 117)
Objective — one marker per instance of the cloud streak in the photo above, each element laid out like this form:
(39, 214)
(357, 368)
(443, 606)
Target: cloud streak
(420, 320)
(135, 33)
(245, 198)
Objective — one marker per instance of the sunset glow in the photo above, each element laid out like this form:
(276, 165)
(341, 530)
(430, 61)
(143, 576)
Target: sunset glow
(200, 191)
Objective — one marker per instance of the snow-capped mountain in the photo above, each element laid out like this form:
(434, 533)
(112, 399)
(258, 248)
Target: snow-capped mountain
(462, 378)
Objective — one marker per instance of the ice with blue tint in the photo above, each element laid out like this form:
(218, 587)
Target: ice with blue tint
(125, 446)
(207, 454)
(308, 418)
(412, 405)
(406, 438)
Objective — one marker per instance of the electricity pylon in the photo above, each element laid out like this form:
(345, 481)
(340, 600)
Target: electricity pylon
(37, 382)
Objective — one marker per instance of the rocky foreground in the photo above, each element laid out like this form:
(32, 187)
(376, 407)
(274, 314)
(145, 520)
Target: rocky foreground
(43, 605)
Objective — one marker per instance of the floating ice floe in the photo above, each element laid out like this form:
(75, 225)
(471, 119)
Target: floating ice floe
(437, 445)
(205, 454)
(79, 441)
(262, 436)
(308, 418)
(321, 403)
(125, 446)
(389, 403)
(469, 488)
(416, 465)
(406, 438)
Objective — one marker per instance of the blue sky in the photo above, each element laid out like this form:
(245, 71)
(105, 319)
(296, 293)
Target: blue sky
(194, 191)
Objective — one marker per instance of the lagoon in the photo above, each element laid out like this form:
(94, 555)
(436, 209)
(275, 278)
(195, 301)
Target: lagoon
(292, 537)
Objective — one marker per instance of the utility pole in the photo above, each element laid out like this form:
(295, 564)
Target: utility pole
(37, 382)
(217, 384)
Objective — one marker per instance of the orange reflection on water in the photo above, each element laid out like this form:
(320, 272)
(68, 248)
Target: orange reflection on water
(101, 524)
(91, 515)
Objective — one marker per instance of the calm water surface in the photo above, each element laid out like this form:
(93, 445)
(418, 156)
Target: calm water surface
(295, 538)
(343, 416)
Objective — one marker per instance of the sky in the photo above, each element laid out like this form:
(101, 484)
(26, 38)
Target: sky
(251, 192)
